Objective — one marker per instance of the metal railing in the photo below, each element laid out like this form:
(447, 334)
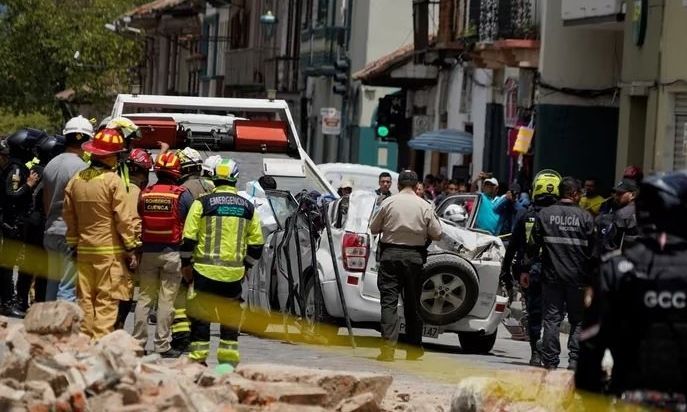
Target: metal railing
(508, 19)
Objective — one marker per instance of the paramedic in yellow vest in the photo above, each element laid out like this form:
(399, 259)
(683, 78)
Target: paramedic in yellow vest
(104, 230)
(191, 168)
(222, 236)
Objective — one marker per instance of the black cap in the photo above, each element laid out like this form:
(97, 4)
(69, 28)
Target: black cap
(626, 185)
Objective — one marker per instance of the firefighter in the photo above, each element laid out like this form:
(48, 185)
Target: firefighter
(191, 169)
(57, 173)
(163, 208)
(18, 185)
(104, 229)
(138, 163)
(222, 237)
(527, 264)
(637, 306)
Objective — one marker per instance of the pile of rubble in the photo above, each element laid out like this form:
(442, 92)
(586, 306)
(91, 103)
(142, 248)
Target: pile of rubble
(48, 365)
(535, 390)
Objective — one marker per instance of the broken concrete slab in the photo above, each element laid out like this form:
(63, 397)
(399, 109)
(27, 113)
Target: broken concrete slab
(53, 318)
(360, 403)
(263, 393)
(338, 384)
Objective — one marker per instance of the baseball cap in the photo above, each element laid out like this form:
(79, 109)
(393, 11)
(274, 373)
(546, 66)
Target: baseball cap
(347, 184)
(626, 185)
(492, 180)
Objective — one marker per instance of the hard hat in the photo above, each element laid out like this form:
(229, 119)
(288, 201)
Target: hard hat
(191, 161)
(126, 126)
(105, 143)
(22, 142)
(168, 163)
(49, 147)
(456, 213)
(546, 184)
(662, 203)
(140, 158)
(78, 129)
(492, 181)
(228, 170)
(210, 163)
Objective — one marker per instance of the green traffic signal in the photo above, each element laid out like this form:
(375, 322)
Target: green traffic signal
(382, 131)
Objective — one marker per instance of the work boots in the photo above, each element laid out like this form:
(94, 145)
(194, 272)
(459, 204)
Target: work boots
(535, 358)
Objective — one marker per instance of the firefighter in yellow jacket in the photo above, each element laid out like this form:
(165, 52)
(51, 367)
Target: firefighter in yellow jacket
(222, 236)
(104, 230)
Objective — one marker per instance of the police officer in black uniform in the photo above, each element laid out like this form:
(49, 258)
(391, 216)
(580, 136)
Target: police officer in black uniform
(525, 257)
(565, 233)
(617, 227)
(18, 184)
(639, 305)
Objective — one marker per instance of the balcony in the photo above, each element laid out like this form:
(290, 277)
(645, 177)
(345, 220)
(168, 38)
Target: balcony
(601, 14)
(319, 50)
(507, 33)
(246, 68)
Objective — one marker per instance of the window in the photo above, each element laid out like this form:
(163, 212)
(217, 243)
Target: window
(466, 92)
(322, 13)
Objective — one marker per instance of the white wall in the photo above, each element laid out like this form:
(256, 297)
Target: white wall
(591, 59)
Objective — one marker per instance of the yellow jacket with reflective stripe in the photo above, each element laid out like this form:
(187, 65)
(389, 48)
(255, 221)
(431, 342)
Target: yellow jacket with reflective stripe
(224, 225)
(101, 217)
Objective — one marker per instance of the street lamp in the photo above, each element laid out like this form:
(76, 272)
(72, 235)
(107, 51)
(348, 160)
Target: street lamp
(269, 20)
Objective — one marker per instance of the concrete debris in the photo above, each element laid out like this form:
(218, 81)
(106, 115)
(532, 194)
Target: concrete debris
(536, 390)
(48, 365)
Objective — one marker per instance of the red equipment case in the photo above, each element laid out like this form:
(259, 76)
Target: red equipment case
(265, 136)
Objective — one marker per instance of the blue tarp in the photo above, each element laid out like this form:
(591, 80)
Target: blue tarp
(444, 140)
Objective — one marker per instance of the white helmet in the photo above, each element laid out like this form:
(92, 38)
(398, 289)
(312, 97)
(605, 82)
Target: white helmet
(456, 213)
(190, 156)
(210, 164)
(78, 124)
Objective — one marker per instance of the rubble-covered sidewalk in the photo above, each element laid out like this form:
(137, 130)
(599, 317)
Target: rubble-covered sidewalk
(50, 366)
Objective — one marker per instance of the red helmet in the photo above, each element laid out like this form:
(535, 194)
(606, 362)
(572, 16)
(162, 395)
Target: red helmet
(140, 158)
(168, 163)
(634, 173)
(105, 143)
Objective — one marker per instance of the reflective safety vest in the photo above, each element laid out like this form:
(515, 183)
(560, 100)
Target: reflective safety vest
(224, 225)
(159, 208)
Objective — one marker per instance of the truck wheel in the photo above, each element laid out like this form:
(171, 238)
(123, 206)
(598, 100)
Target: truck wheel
(448, 289)
(476, 343)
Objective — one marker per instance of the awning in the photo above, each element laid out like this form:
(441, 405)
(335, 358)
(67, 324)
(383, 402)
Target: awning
(444, 140)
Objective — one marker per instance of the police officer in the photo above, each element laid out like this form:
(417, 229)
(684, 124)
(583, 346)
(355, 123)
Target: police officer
(639, 305)
(222, 236)
(528, 257)
(406, 224)
(565, 233)
(618, 226)
(18, 185)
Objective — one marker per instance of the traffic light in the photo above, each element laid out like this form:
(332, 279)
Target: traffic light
(341, 73)
(390, 116)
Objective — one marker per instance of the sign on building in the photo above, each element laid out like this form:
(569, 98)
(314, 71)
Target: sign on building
(331, 120)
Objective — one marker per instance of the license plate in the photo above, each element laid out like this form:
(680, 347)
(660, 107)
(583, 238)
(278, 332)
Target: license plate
(428, 331)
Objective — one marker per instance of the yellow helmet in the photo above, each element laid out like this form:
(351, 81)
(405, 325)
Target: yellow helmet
(546, 183)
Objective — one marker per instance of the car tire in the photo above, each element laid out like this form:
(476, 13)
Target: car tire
(476, 342)
(449, 288)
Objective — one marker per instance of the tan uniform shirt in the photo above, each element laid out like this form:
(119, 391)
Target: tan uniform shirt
(406, 219)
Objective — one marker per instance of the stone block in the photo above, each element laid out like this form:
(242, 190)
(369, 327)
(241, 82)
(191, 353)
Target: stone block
(49, 371)
(477, 394)
(338, 384)
(263, 393)
(53, 318)
(360, 403)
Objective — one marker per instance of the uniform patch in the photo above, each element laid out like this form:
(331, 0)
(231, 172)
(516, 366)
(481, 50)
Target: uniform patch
(157, 204)
(625, 266)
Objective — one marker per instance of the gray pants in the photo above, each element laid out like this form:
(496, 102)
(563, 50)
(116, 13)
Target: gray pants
(399, 274)
(559, 299)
